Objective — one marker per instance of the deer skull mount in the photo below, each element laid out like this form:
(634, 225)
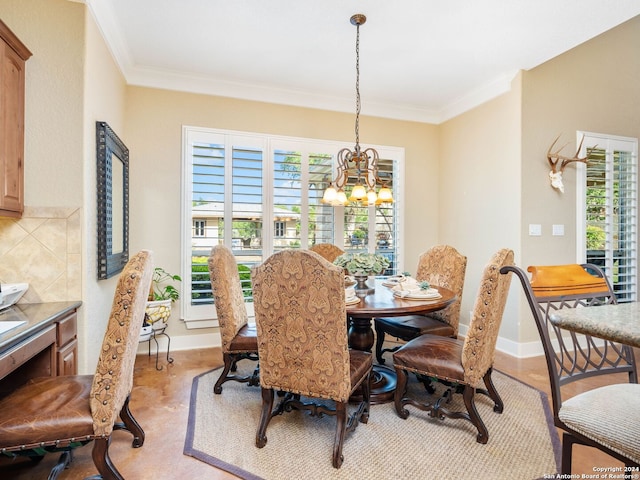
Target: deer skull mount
(559, 162)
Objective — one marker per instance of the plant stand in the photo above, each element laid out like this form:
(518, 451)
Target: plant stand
(154, 335)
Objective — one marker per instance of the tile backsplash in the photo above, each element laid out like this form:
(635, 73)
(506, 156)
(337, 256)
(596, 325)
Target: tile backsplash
(43, 249)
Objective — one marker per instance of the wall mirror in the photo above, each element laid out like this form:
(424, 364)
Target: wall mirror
(113, 201)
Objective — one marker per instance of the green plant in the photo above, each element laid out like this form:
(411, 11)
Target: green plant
(161, 288)
(362, 263)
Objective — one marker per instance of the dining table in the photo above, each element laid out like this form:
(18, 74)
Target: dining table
(616, 322)
(381, 302)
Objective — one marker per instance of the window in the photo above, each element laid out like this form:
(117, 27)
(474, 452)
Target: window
(608, 209)
(199, 228)
(279, 229)
(258, 194)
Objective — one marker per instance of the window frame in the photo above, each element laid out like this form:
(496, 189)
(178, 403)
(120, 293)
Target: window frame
(609, 143)
(203, 316)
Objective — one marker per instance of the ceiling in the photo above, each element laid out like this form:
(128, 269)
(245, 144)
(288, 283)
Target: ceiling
(421, 60)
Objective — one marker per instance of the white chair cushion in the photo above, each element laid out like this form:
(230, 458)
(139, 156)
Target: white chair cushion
(607, 415)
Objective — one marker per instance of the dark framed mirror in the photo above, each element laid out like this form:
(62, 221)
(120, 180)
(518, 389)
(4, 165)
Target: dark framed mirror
(113, 201)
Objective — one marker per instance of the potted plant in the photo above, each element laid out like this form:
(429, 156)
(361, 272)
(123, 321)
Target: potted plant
(161, 295)
(361, 265)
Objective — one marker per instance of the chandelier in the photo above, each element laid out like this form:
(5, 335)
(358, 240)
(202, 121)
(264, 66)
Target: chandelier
(358, 163)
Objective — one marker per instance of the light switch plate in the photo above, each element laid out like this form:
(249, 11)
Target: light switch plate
(557, 230)
(535, 229)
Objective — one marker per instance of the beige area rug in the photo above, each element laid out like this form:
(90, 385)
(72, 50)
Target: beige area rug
(522, 441)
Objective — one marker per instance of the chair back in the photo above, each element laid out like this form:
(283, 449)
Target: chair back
(443, 265)
(299, 301)
(572, 356)
(113, 379)
(328, 251)
(479, 345)
(227, 294)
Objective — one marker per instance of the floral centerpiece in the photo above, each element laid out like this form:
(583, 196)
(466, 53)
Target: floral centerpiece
(359, 264)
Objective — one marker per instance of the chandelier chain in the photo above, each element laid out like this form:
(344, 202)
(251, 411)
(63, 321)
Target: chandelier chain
(358, 88)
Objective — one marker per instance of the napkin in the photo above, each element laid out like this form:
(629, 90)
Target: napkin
(412, 287)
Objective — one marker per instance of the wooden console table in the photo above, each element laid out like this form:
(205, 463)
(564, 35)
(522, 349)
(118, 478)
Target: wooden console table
(46, 344)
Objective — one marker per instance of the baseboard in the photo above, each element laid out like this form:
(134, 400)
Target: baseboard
(209, 340)
(182, 342)
(515, 349)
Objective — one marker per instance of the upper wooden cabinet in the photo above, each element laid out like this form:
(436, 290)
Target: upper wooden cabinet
(13, 55)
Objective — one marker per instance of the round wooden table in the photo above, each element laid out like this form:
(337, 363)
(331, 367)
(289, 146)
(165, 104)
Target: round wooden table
(382, 303)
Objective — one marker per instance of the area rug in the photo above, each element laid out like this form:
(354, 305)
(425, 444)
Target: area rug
(523, 443)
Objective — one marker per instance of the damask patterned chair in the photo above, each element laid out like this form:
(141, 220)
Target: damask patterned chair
(57, 414)
(461, 364)
(302, 342)
(441, 265)
(328, 251)
(605, 417)
(239, 339)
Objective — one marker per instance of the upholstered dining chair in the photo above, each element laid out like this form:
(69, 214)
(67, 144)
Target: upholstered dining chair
(461, 364)
(603, 417)
(441, 265)
(57, 414)
(302, 343)
(239, 339)
(328, 251)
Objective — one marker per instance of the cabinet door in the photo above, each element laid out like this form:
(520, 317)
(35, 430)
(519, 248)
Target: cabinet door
(11, 131)
(68, 359)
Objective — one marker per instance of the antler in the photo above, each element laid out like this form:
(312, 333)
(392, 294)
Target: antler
(555, 157)
(555, 175)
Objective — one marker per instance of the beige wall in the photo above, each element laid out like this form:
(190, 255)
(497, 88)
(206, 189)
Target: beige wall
(480, 200)
(71, 81)
(594, 88)
(154, 128)
(103, 99)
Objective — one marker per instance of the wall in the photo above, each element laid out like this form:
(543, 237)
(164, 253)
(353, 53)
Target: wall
(71, 81)
(594, 88)
(154, 120)
(103, 100)
(480, 193)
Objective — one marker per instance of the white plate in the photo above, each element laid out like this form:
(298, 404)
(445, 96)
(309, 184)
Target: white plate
(392, 281)
(352, 300)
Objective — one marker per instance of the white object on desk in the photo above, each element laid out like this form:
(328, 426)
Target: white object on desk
(11, 293)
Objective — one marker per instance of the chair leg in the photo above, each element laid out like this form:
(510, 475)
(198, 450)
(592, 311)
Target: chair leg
(341, 426)
(366, 398)
(101, 460)
(498, 404)
(567, 447)
(401, 388)
(265, 417)
(468, 396)
(130, 424)
(228, 363)
(379, 342)
(63, 462)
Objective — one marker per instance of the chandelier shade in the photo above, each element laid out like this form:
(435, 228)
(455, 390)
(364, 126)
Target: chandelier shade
(357, 163)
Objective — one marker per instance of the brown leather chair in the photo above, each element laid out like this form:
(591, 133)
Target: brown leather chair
(57, 414)
(328, 251)
(460, 363)
(441, 265)
(239, 339)
(606, 418)
(302, 341)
